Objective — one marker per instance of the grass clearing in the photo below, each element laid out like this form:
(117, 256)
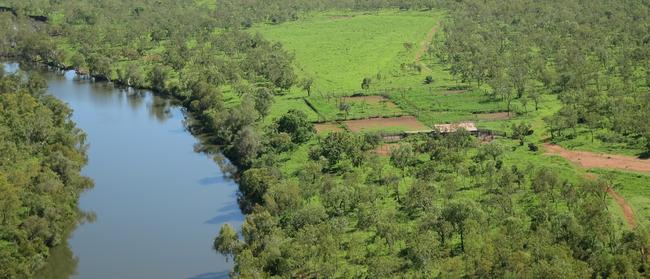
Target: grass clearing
(342, 108)
(338, 51)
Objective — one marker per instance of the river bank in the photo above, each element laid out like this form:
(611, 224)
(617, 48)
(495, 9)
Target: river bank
(157, 202)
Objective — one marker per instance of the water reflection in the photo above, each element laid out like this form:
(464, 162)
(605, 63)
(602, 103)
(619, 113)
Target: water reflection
(62, 263)
(159, 204)
(160, 109)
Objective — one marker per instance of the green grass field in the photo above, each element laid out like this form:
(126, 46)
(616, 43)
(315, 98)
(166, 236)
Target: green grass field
(338, 50)
(331, 108)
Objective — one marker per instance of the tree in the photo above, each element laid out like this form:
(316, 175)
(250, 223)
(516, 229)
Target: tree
(227, 242)
(247, 145)
(158, 78)
(365, 84)
(521, 131)
(337, 147)
(457, 213)
(100, 67)
(255, 182)
(345, 108)
(263, 101)
(536, 96)
(306, 85)
(402, 157)
(296, 123)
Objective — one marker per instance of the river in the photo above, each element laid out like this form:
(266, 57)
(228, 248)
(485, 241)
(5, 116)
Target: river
(157, 204)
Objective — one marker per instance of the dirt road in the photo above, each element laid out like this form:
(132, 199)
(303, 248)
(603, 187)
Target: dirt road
(596, 160)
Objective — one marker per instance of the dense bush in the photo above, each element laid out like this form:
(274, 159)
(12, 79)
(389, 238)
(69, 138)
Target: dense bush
(41, 155)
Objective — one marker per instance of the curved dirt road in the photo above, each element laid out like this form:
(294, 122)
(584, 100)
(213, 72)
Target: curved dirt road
(596, 160)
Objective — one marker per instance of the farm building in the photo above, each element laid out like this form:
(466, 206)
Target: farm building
(450, 128)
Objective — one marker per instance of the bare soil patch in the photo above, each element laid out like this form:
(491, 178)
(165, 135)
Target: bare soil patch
(408, 123)
(493, 116)
(371, 100)
(451, 92)
(596, 160)
(386, 149)
(327, 128)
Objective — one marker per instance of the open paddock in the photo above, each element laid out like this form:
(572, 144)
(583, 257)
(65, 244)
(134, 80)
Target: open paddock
(402, 123)
(324, 128)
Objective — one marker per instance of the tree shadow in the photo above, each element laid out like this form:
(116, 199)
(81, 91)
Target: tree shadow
(214, 180)
(228, 213)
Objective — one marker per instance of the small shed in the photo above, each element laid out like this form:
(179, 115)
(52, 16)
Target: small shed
(450, 128)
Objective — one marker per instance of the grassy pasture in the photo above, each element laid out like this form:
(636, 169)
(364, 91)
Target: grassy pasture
(358, 107)
(338, 50)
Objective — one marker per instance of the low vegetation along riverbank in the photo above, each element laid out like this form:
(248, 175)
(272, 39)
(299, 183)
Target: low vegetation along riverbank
(438, 203)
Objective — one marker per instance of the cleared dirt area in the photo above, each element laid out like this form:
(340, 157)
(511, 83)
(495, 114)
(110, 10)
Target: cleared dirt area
(595, 160)
(406, 123)
(493, 116)
(371, 100)
(327, 128)
(386, 149)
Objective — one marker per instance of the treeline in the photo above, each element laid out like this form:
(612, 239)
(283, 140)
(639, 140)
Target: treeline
(442, 207)
(238, 14)
(41, 155)
(594, 55)
(172, 47)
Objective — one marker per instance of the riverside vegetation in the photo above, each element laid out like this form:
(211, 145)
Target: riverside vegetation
(326, 205)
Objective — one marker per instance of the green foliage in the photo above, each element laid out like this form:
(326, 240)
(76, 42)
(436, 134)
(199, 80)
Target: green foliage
(521, 131)
(297, 125)
(227, 242)
(591, 61)
(41, 156)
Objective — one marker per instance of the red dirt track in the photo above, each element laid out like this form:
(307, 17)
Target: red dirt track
(493, 116)
(595, 160)
(627, 209)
